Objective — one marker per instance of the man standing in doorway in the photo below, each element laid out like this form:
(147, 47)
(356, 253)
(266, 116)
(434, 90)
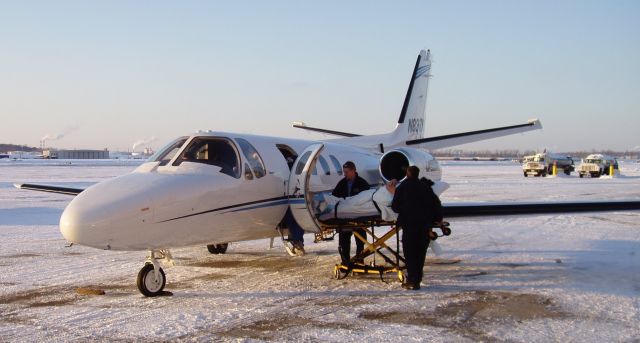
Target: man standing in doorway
(417, 207)
(350, 185)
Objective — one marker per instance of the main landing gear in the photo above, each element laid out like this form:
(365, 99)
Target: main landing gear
(292, 248)
(218, 249)
(151, 278)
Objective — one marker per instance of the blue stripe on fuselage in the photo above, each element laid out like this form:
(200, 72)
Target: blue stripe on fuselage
(280, 202)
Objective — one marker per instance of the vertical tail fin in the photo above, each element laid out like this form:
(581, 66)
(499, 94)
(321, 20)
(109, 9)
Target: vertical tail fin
(412, 117)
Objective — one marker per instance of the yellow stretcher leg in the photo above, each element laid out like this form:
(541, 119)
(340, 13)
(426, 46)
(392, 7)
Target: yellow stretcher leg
(375, 247)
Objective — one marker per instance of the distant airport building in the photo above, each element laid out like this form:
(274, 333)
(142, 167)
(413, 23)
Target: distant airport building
(77, 154)
(24, 155)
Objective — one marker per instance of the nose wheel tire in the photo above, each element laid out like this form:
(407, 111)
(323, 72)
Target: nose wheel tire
(150, 283)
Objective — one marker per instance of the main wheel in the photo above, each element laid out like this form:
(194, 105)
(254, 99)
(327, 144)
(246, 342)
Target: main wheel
(525, 174)
(147, 283)
(217, 249)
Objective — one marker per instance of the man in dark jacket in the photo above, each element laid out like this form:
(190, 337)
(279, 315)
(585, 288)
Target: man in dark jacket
(417, 207)
(350, 185)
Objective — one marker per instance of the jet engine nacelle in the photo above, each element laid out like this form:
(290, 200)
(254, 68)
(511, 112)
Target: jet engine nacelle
(394, 164)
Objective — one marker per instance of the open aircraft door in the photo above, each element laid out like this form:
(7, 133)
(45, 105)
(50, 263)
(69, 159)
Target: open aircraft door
(301, 200)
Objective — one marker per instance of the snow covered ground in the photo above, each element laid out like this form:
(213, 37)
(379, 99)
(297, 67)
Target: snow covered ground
(525, 279)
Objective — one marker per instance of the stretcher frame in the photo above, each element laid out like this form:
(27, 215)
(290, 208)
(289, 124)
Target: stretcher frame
(393, 261)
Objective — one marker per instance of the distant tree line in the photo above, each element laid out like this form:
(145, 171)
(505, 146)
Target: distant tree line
(14, 147)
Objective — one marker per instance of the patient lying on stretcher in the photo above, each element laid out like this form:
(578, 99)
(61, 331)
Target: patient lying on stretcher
(370, 203)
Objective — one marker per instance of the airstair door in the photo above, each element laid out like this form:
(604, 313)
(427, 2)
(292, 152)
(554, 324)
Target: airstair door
(300, 198)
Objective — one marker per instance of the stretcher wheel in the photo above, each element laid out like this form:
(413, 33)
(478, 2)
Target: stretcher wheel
(338, 273)
(446, 231)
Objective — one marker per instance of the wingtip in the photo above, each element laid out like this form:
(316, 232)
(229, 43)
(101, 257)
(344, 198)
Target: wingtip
(535, 122)
(17, 185)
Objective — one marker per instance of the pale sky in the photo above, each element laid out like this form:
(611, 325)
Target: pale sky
(108, 74)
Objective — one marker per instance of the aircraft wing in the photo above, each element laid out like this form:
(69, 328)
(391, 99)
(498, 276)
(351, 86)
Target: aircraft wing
(330, 132)
(505, 209)
(440, 142)
(50, 189)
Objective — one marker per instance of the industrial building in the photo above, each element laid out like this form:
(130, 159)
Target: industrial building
(77, 154)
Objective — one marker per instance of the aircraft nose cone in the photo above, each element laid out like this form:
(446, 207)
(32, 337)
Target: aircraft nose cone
(69, 227)
(109, 214)
(80, 226)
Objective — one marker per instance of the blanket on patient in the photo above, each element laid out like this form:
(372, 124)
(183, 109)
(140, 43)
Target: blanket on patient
(367, 203)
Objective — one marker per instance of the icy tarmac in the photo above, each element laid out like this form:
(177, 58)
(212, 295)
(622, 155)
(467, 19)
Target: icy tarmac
(518, 279)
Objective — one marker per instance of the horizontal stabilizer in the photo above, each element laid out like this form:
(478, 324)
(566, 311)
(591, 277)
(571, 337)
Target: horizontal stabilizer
(51, 189)
(480, 210)
(330, 132)
(440, 142)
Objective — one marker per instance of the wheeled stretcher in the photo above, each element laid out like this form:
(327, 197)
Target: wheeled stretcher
(380, 245)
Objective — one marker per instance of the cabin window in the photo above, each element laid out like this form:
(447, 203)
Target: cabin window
(302, 161)
(288, 154)
(336, 164)
(218, 152)
(254, 159)
(325, 165)
(167, 153)
(247, 172)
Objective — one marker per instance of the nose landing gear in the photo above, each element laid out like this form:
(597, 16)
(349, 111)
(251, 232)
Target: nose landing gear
(151, 278)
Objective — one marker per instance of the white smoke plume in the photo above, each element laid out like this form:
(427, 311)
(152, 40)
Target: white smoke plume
(143, 142)
(66, 131)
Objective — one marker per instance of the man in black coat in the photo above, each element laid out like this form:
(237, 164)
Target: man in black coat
(350, 185)
(417, 207)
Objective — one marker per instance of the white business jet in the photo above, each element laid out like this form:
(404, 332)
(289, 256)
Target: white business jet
(211, 188)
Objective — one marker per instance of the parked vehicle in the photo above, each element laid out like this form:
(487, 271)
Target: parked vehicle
(596, 165)
(542, 164)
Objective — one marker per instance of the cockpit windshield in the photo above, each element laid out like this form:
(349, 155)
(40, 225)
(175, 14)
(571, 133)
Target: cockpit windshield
(595, 161)
(165, 154)
(216, 151)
